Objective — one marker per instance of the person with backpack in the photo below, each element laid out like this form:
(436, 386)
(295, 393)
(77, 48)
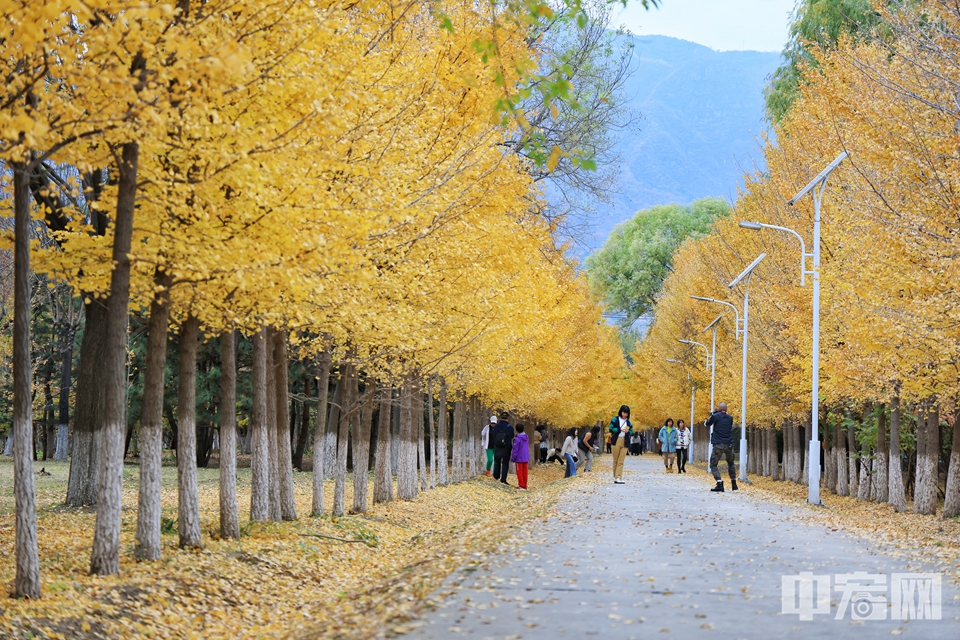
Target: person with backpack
(569, 452)
(620, 430)
(487, 443)
(520, 457)
(587, 447)
(668, 443)
(502, 446)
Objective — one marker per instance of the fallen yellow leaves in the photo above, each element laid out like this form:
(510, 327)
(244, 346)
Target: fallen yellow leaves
(929, 539)
(292, 579)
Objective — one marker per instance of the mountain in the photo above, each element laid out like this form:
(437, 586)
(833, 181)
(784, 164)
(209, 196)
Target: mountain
(701, 113)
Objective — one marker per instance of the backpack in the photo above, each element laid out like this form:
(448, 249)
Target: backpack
(501, 438)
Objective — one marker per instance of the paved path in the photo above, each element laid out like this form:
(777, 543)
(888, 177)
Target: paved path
(662, 557)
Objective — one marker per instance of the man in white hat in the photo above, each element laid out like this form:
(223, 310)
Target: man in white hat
(485, 442)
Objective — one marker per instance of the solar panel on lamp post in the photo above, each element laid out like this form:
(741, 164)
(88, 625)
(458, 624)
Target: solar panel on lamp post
(817, 185)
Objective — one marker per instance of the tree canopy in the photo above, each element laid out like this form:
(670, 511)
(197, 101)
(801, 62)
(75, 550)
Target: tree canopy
(627, 273)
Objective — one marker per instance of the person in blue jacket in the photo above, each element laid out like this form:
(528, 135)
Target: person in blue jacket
(668, 443)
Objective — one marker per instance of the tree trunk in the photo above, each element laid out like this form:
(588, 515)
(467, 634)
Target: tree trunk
(431, 434)
(105, 556)
(304, 425)
(343, 438)
(951, 500)
(47, 436)
(259, 433)
(775, 453)
(880, 483)
(66, 372)
(897, 497)
(383, 473)
(88, 415)
(151, 423)
(443, 477)
(407, 469)
(333, 422)
(459, 437)
(27, 581)
(796, 453)
(840, 447)
(229, 516)
(829, 457)
(867, 464)
(188, 501)
(471, 413)
(361, 449)
(851, 461)
(288, 503)
(421, 445)
(927, 483)
(320, 434)
(272, 452)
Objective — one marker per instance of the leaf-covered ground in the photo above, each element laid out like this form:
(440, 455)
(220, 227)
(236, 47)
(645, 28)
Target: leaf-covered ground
(279, 580)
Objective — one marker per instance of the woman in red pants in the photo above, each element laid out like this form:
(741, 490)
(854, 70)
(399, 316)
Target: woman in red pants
(520, 456)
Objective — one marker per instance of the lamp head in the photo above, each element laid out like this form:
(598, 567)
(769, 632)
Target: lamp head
(684, 341)
(751, 225)
(674, 361)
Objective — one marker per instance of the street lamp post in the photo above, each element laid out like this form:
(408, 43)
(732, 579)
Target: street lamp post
(713, 378)
(745, 277)
(817, 185)
(692, 416)
(739, 330)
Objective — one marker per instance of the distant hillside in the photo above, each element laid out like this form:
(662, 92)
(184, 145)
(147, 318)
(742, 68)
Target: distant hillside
(702, 111)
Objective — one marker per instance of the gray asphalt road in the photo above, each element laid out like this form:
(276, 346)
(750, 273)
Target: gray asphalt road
(663, 557)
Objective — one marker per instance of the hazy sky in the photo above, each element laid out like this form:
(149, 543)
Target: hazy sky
(759, 25)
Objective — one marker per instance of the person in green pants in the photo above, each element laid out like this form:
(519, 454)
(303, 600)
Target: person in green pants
(485, 442)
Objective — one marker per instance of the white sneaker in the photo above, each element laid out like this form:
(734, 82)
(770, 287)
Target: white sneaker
(618, 481)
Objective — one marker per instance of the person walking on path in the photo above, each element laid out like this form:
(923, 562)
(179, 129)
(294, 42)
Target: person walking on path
(668, 443)
(643, 444)
(722, 441)
(587, 446)
(683, 446)
(620, 430)
(569, 452)
(607, 439)
(520, 456)
(487, 443)
(502, 446)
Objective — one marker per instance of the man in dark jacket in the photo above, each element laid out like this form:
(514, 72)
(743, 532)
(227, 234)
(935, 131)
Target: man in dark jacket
(501, 439)
(722, 441)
